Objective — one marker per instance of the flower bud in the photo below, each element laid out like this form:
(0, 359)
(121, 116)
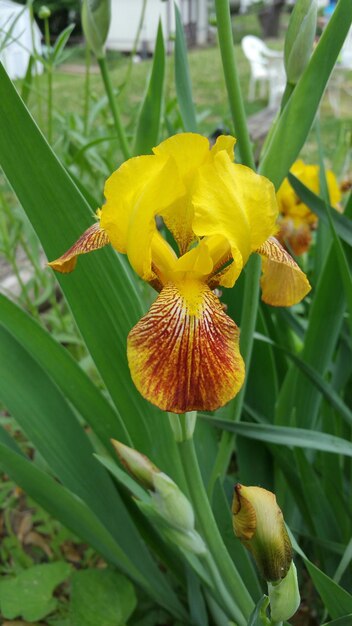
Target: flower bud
(190, 540)
(284, 596)
(136, 464)
(258, 522)
(300, 38)
(96, 16)
(171, 503)
(44, 12)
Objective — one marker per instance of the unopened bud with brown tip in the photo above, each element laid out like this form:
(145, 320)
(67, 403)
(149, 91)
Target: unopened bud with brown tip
(137, 464)
(258, 522)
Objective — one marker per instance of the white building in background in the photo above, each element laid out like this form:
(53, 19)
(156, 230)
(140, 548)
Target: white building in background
(16, 38)
(125, 18)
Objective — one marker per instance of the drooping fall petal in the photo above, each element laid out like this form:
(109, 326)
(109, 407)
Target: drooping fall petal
(92, 239)
(283, 283)
(184, 354)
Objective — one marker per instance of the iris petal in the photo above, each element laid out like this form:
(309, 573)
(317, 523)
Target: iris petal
(92, 239)
(232, 201)
(283, 282)
(184, 354)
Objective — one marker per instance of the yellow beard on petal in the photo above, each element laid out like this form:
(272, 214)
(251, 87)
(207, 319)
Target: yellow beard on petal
(184, 354)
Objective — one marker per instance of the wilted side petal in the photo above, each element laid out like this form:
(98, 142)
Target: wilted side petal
(184, 354)
(92, 239)
(283, 282)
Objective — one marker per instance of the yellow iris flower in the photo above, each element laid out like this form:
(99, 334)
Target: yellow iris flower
(296, 220)
(184, 353)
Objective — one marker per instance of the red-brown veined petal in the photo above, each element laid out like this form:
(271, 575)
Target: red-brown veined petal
(283, 282)
(92, 239)
(184, 354)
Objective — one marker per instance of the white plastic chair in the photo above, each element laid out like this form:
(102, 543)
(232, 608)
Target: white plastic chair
(266, 68)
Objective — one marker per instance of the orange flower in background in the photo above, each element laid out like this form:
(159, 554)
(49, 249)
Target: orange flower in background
(184, 353)
(296, 220)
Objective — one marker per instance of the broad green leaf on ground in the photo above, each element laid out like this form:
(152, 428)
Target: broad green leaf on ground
(148, 124)
(101, 596)
(30, 593)
(298, 115)
(100, 293)
(183, 79)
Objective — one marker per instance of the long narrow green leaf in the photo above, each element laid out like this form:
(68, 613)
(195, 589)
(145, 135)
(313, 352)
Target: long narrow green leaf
(100, 292)
(64, 371)
(298, 392)
(182, 78)
(326, 390)
(343, 224)
(330, 216)
(299, 113)
(285, 436)
(337, 600)
(50, 424)
(346, 620)
(148, 125)
(320, 508)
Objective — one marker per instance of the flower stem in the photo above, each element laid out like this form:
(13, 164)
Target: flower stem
(209, 529)
(238, 114)
(248, 322)
(251, 290)
(86, 89)
(50, 81)
(224, 597)
(114, 107)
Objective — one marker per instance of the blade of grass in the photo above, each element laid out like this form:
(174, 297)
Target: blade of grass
(285, 435)
(148, 124)
(182, 78)
(337, 600)
(298, 392)
(319, 382)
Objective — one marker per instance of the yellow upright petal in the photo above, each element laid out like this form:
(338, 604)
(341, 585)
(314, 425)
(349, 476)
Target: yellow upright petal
(224, 142)
(283, 282)
(138, 191)
(232, 201)
(188, 152)
(184, 354)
